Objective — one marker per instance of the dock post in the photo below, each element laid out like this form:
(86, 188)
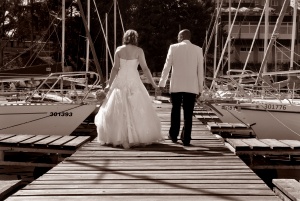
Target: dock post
(1, 155)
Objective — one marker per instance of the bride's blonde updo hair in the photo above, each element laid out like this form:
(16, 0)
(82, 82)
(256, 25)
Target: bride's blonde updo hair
(130, 37)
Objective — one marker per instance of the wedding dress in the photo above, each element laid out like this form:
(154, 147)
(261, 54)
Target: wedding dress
(127, 116)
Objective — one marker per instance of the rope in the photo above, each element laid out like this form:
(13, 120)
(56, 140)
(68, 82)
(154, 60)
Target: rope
(282, 123)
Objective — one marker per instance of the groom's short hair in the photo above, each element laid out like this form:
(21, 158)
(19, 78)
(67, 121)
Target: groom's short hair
(186, 34)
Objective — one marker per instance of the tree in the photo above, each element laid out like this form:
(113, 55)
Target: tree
(158, 24)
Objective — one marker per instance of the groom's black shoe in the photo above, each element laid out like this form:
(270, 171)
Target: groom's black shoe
(186, 142)
(173, 139)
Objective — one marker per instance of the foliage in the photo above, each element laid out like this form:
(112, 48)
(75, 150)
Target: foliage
(157, 22)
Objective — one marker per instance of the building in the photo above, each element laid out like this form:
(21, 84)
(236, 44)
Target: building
(244, 28)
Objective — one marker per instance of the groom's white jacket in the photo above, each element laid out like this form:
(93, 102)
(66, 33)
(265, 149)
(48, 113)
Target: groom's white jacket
(186, 60)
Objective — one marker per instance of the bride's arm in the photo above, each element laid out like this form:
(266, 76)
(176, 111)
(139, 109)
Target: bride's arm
(145, 68)
(114, 70)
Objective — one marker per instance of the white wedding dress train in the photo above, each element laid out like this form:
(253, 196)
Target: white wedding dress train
(127, 116)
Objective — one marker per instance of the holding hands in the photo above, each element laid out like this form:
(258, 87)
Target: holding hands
(106, 89)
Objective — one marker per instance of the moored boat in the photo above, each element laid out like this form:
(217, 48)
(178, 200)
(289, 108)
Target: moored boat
(45, 110)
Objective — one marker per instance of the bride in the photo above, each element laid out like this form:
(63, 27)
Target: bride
(127, 118)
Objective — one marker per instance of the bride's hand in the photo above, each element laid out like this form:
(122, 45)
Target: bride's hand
(155, 86)
(106, 89)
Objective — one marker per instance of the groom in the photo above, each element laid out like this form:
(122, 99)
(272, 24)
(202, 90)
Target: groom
(186, 61)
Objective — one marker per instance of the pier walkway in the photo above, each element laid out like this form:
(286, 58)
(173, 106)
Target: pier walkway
(207, 170)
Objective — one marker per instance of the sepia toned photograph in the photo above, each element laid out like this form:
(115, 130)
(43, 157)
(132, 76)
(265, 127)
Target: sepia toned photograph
(149, 100)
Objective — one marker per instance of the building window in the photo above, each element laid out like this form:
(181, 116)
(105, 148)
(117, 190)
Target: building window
(245, 49)
(274, 2)
(261, 49)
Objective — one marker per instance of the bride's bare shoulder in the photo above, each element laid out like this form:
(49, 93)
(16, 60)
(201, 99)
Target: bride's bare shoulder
(120, 48)
(140, 50)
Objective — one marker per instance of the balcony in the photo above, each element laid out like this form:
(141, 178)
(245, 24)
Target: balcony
(248, 29)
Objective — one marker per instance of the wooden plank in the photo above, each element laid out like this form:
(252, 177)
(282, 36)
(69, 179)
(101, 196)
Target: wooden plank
(205, 197)
(280, 194)
(34, 139)
(162, 192)
(199, 116)
(225, 125)
(16, 139)
(25, 164)
(256, 144)
(47, 140)
(169, 182)
(275, 144)
(294, 144)
(215, 169)
(154, 177)
(290, 187)
(156, 163)
(37, 149)
(238, 144)
(61, 141)
(142, 186)
(205, 116)
(212, 125)
(5, 136)
(8, 186)
(77, 142)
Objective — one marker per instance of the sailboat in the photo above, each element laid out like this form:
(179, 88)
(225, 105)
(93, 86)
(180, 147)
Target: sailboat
(274, 116)
(39, 116)
(36, 115)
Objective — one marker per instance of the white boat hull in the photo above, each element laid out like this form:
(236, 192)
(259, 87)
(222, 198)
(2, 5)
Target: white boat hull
(43, 119)
(269, 119)
(227, 113)
(273, 121)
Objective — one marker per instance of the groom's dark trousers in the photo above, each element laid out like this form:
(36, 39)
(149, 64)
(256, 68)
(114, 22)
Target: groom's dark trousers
(187, 100)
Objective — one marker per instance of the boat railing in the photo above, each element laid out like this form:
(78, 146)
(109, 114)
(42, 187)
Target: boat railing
(245, 84)
(66, 83)
(263, 85)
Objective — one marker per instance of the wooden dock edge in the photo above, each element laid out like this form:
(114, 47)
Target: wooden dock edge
(287, 189)
(7, 187)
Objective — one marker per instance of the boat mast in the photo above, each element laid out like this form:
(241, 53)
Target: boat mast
(293, 33)
(224, 49)
(213, 30)
(63, 21)
(106, 49)
(91, 42)
(115, 25)
(87, 41)
(273, 38)
(253, 41)
(216, 40)
(105, 34)
(229, 42)
(267, 12)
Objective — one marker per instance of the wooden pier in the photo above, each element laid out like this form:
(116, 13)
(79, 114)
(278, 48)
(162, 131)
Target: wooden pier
(205, 115)
(267, 153)
(231, 130)
(287, 189)
(54, 144)
(207, 170)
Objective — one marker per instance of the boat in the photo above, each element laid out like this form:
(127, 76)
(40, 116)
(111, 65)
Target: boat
(36, 115)
(271, 112)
